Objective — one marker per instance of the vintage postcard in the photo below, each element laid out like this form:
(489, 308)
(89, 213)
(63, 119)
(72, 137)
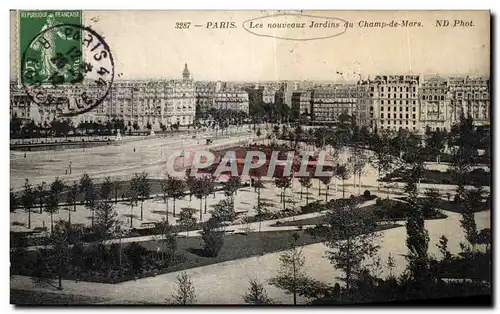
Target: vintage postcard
(250, 157)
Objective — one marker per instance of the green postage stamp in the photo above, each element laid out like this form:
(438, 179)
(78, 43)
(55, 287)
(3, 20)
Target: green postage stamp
(41, 42)
(63, 63)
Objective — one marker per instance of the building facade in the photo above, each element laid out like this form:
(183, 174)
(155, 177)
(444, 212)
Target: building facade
(394, 102)
(387, 102)
(219, 95)
(470, 96)
(153, 102)
(435, 107)
(301, 101)
(330, 101)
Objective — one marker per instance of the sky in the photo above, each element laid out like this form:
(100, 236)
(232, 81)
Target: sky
(146, 45)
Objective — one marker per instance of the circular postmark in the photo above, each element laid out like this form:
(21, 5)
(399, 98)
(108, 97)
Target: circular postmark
(69, 67)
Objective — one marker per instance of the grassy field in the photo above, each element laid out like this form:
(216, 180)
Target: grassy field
(440, 177)
(239, 246)
(369, 210)
(23, 297)
(236, 246)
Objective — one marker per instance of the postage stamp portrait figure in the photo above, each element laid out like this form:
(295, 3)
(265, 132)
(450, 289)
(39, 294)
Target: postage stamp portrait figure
(63, 63)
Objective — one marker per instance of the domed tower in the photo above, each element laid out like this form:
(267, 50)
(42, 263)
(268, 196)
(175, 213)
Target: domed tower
(185, 74)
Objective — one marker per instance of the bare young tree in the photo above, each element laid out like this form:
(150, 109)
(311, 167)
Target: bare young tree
(351, 237)
(292, 270)
(306, 183)
(186, 218)
(28, 200)
(257, 294)
(359, 161)
(185, 293)
(106, 219)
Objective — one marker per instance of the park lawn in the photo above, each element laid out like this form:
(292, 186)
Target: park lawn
(236, 246)
(190, 253)
(121, 192)
(23, 297)
(451, 206)
(440, 177)
(369, 210)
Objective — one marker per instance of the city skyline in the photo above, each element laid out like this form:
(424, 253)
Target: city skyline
(237, 55)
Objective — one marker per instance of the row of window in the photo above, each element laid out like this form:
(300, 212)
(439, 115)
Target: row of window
(395, 89)
(395, 102)
(394, 116)
(400, 108)
(435, 98)
(395, 128)
(395, 122)
(473, 96)
(382, 95)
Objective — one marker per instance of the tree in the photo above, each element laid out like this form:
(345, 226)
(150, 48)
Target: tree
(186, 218)
(185, 290)
(351, 237)
(258, 133)
(135, 125)
(258, 185)
(224, 211)
(379, 144)
(28, 200)
(306, 183)
(463, 145)
(326, 181)
(15, 125)
(175, 189)
(359, 160)
(257, 294)
(213, 240)
(473, 202)
(106, 219)
(59, 241)
(417, 237)
(164, 190)
(144, 189)
(484, 237)
(443, 248)
(190, 182)
(343, 173)
(40, 192)
(434, 142)
(89, 193)
(133, 196)
(209, 184)
(73, 192)
(116, 186)
(51, 207)
(283, 183)
(56, 189)
(391, 263)
(199, 189)
(292, 269)
(106, 189)
(430, 204)
(231, 186)
(13, 201)
(167, 239)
